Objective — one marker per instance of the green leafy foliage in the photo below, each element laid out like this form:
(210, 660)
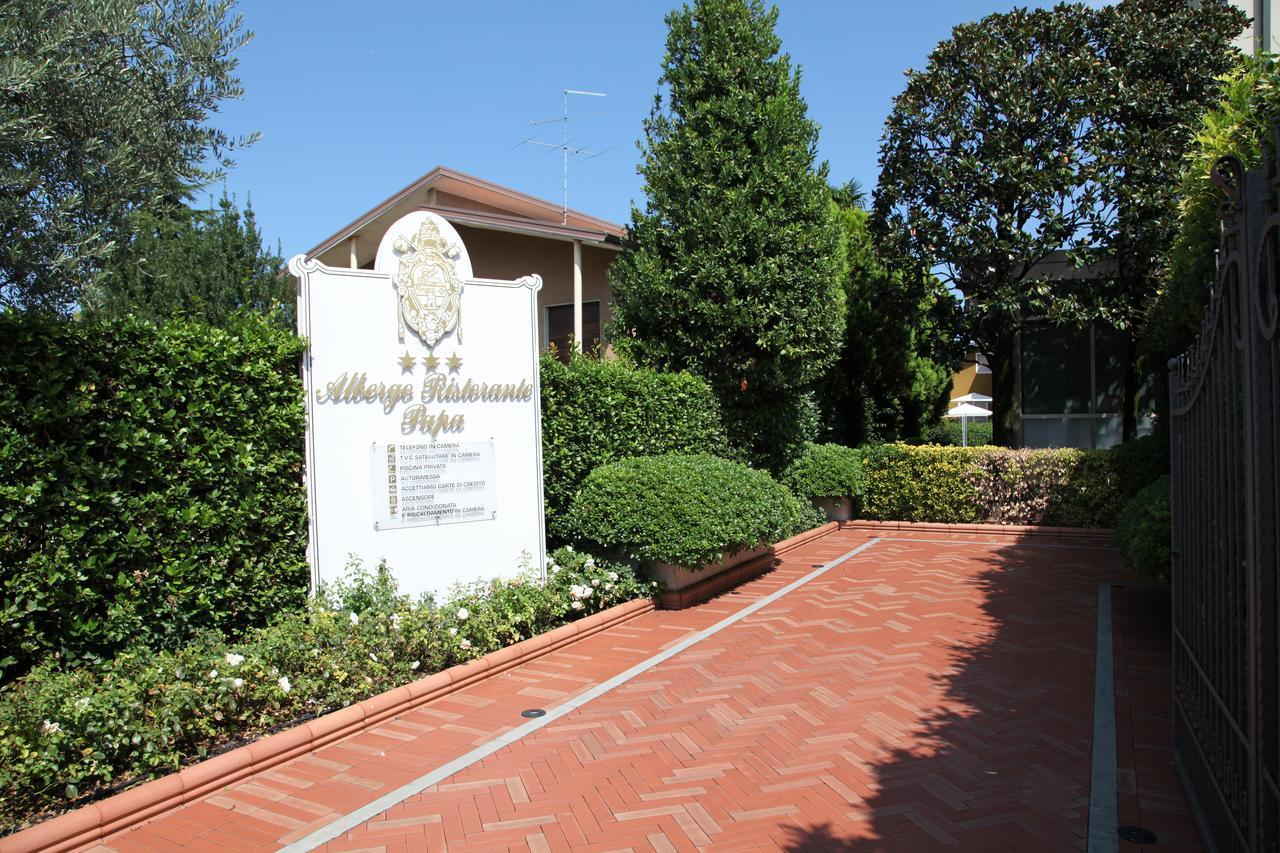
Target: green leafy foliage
(959, 485)
(893, 376)
(1144, 533)
(67, 732)
(1140, 462)
(103, 112)
(732, 269)
(686, 510)
(1238, 125)
(597, 411)
(205, 265)
(826, 471)
(925, 483)
(150, 483)
(951, 431)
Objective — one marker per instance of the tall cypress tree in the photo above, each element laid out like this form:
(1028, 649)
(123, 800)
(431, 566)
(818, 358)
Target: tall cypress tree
(732, 269)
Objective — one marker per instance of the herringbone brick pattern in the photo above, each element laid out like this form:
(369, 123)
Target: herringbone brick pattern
(931, 693)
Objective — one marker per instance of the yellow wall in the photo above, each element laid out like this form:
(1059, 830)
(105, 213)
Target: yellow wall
(967, 380)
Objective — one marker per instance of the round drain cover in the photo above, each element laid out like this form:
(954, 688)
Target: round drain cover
(1137, 835)
(533, 712)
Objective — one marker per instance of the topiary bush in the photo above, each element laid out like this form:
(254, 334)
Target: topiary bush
(826, 471)
(150, 484)
(67, 733)
(686, 510)
(1144, 533)
(596, 411)
(1140, 461)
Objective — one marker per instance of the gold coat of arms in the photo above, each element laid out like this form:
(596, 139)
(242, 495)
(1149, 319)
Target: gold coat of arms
(430, 293)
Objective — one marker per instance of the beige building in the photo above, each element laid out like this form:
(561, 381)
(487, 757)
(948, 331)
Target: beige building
(507, 234)
(1259, 36)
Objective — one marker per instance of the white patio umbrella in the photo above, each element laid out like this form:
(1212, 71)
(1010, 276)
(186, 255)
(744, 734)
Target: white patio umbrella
(973, 398)
(964, 411)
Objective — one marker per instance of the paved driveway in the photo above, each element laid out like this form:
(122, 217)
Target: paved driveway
(931, 691)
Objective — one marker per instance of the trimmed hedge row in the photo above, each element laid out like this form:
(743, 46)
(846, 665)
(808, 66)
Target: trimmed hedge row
(67, 733)
(1144, 533)
(826, 471)
(682, 510)
(959, 485)
(595, 412)
(150, 484)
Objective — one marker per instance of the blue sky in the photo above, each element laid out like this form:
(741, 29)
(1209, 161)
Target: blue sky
(354, 101)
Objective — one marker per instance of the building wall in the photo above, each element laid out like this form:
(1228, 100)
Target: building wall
(497, 254)
(1261, 34)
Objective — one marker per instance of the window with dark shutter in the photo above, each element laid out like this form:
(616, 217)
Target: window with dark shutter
(560, 327)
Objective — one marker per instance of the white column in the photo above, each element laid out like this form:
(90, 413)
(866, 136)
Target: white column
(351, 243)
(577, 295)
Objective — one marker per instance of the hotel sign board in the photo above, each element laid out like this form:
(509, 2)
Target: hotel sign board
(424, 439)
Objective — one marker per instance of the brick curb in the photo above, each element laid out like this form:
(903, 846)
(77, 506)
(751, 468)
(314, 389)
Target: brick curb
(1090, 535)
(712, 586)
(94, 822)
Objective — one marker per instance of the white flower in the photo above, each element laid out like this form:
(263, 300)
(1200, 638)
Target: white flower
(135, 740)
(213, 673)
(595, 581)
(466, 644)
(315, 653)
(569, 548)
(586, 592)
(463, 613)
(237, 683)
(453, 632)
(284, 682)
(50, 728)
(355, 620)
(82, 703)
(613, 576)
(608, 587)
(591, 562)
(234, 659)
(415, 665)
(373, 657)
(577, 605)
(395, 621)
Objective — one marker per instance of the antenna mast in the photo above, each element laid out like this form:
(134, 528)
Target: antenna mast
(564, 147)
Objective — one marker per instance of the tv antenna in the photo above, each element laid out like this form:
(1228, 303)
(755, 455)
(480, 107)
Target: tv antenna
(564, 147)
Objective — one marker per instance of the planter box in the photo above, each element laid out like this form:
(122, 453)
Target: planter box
(678, 577)
(837, 509)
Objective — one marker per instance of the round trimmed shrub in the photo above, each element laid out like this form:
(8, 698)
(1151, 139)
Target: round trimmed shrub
(826, 471)
(686, 510)
(1144, 532)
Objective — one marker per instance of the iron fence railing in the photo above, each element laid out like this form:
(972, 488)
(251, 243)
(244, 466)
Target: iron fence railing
(1223, 424)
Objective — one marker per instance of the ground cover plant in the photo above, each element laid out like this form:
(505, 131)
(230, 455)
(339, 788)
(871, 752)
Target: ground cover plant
(150, 483)
(686, 510)
(596, 411)
(67, 733)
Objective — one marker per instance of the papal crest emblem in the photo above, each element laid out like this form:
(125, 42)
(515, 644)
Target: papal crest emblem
(430, 293)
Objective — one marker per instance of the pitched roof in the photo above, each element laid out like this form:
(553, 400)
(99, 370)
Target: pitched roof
(479, 203)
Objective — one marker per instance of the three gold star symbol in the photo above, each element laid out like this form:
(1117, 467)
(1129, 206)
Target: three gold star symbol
(407, 362)
(455, 363)
(431, 362)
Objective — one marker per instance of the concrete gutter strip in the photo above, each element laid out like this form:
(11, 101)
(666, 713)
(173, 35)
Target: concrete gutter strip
(1104, 807)
(363, 815)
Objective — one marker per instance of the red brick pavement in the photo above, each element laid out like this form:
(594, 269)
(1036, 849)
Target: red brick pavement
(934, 692)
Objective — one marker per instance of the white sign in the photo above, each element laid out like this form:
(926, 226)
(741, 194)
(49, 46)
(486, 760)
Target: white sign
(418, 360)
(421, 484)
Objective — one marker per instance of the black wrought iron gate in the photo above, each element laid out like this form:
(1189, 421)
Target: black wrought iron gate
(1224, 412)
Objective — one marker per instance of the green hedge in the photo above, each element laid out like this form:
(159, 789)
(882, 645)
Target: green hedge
(68, 732)
(683, 510)
(958, 485)
(826, 471)
(1144, 533)
(596, 411)
(150, 484)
